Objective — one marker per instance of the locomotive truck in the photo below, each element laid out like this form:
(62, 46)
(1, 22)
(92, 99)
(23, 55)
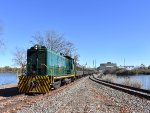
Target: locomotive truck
(47, 69)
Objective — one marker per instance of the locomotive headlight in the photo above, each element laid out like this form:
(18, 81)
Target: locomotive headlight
(36, 47)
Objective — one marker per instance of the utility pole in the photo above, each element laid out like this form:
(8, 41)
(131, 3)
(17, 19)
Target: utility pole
(124, 62)
(95, 63)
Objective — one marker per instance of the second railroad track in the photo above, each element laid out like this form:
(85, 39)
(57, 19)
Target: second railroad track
(142, 93)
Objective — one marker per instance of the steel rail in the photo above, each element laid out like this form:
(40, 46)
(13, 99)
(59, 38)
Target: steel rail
(142, 93)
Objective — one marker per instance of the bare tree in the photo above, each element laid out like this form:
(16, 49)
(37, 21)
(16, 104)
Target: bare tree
(76, 57)
(69, 48)
(20, 58)
(55, 42)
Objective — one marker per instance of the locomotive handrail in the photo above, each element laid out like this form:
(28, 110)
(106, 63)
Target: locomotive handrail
(49, 70)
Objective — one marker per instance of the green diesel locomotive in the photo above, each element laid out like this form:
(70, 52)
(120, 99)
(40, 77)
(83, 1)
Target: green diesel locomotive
(46, 69)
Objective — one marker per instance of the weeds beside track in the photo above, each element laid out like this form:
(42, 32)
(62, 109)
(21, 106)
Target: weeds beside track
(142, 93)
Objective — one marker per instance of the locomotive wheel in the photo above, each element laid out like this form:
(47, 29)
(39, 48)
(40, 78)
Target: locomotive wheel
(56, 84)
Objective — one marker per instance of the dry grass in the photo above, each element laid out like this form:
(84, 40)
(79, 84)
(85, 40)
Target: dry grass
(109, 78)
(132, 83)
(125, 81)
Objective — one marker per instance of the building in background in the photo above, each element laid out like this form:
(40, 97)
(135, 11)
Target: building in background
(126, 67)
(107, 66)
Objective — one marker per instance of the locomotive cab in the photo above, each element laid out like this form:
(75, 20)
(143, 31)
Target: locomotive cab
(36, 60)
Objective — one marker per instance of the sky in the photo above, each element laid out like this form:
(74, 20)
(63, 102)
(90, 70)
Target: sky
(101, 30)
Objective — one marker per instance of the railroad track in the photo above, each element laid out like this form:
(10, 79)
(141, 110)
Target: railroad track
(14, 103)
(142, 93)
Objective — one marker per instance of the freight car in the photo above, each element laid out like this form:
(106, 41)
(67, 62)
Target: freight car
(47, 69)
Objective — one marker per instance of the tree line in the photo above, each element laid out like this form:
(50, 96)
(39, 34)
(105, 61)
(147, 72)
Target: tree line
(10, 69)
(122, 72)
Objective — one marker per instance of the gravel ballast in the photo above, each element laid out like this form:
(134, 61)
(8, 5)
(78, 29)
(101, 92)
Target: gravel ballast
(87, 96)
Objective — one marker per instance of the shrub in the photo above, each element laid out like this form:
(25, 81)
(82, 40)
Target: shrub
(125, 81)
(132, 83)
(109, 78)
